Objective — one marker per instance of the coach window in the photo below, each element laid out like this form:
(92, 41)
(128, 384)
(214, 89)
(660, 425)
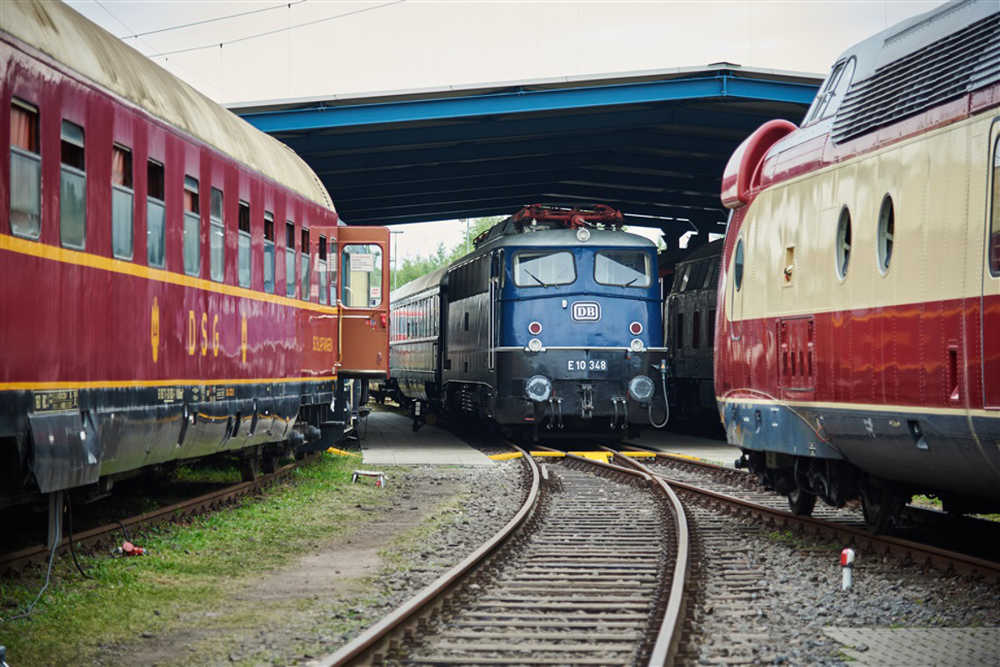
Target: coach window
(321, 270)
(290, 268)
(545, 268)
(738, 266)
(361, 275)
(304, 258)
(73, 188)
(243, 245)
(843, 247)
(217, 236)
(886, 230)
(192, 228)
(121, 202)
(25, 171)
(155, 229)
(624, 268)
(268, 252)
(994, 240)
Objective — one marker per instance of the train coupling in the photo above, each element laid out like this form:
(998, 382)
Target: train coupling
(619, 417)
(742, 462)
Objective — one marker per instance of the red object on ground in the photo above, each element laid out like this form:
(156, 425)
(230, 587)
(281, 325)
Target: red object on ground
(130, 549)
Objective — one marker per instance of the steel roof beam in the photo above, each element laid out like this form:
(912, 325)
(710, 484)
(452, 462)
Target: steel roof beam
(510, 202)
(634, 141)
(664, 115)
(710, 85)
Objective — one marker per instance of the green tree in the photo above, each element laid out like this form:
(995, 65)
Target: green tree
(414, 267)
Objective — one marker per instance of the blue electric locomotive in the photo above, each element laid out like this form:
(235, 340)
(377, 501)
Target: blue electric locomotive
(549, 327)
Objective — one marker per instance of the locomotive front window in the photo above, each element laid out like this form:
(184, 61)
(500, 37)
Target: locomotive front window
(545, 268)
(625, 268)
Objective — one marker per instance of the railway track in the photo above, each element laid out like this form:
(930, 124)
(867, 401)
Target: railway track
(591, 570)
(17, 560)
(738, 492)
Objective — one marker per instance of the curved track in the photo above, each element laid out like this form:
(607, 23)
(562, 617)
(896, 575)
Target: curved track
(736, 491)
(588, 572)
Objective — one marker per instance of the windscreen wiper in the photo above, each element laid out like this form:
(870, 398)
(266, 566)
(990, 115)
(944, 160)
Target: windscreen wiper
(537, 279)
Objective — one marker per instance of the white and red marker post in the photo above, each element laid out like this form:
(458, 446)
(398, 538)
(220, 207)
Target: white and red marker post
(847, 567)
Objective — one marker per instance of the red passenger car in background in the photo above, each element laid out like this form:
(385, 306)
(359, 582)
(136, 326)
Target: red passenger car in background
(858, 318)
(175, 283)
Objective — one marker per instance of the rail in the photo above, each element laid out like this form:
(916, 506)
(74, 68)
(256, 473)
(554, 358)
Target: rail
(396, 623)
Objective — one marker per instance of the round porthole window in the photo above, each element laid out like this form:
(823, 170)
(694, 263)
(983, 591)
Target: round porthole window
(886, 230)
(843, 242)
(738, 266)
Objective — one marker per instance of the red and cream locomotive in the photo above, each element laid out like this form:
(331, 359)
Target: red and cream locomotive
(175, 283)
(858, 324)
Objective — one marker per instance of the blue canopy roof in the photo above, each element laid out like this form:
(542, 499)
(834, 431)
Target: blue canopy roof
(652, 144)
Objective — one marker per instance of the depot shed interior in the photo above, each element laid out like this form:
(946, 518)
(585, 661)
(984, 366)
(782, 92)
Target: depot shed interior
(652, 144)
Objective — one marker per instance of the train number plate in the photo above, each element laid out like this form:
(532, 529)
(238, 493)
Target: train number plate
(586, 311)
(587, 365)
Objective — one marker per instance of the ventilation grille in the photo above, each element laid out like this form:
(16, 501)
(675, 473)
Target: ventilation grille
(944, 70)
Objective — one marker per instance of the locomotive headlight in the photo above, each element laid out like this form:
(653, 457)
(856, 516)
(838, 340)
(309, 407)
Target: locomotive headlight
(535, 345)
(582, 234)
(539, 388)
(636, 345)
(640, 388)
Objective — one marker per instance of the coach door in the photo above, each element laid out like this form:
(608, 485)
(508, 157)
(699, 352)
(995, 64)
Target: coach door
(363, 297)
(990, 322)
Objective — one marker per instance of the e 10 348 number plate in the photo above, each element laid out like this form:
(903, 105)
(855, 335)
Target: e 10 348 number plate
(587, 365)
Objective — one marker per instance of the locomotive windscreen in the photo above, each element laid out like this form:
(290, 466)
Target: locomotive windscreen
(626, 268)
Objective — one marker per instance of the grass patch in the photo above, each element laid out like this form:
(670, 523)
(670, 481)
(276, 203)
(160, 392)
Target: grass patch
(799, 541)
(185, 565)
(216, 472)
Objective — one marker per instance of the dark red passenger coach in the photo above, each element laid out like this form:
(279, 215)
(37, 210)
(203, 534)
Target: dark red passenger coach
(175, 283)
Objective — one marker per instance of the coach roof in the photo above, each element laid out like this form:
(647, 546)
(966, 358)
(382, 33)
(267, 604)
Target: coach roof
(69, 38)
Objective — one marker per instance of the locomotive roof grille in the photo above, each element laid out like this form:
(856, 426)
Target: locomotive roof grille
(941, 71)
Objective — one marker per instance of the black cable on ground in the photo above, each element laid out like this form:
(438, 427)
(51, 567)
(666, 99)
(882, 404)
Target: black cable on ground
(124, 531)
(72, 551)
(48, 576)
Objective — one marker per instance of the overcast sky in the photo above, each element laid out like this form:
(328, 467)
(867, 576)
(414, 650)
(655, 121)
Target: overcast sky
(358, 47)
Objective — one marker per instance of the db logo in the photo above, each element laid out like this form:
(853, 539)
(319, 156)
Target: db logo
(586, 311)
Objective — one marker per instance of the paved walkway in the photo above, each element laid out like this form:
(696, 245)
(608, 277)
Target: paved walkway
(714, 451)
(916, 647)
(391, 441)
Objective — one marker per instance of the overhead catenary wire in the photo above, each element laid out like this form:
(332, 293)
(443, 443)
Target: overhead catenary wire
(273, 32)
(216, 19)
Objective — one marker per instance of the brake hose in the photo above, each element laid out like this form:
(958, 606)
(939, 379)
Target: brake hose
(666, 403)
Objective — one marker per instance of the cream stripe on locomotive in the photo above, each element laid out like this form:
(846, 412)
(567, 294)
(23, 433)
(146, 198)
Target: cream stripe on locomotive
(857, 407)
(938, 240)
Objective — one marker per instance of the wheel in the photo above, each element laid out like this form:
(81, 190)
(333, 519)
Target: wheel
(801, 502)
(879, 505)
